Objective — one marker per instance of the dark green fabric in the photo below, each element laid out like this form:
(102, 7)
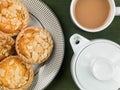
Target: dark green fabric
(61, 8)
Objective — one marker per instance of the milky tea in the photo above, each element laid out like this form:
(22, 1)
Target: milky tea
(92, 13)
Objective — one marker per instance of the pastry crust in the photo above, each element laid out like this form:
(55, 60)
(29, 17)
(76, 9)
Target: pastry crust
(13, 16)
(34, 45)
(15, 74)
(6, 46)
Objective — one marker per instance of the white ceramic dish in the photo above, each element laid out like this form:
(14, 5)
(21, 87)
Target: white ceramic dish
(41, 15)
(95, 64)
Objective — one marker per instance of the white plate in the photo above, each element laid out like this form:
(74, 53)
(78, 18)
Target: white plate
(41, 15)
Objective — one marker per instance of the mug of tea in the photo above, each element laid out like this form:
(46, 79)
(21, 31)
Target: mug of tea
(93, 15)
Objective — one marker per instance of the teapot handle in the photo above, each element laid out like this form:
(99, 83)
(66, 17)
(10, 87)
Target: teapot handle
(77, 42)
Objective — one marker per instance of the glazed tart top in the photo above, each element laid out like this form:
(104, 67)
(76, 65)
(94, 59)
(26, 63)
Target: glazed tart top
(13, 73)
(35, 44)
(13, 16)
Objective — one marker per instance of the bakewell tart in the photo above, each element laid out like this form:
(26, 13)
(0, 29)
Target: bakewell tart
(13, 16)
(34, 45)
(6, 46)
(15, 74)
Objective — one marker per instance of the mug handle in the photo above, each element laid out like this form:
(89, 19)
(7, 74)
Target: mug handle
(77, 42)
(117, 11)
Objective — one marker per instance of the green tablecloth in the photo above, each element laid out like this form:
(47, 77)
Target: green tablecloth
(61, 8)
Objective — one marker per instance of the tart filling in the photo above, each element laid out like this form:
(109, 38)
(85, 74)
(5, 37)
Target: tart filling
(35, 44)
(13, 16)
(15, 74)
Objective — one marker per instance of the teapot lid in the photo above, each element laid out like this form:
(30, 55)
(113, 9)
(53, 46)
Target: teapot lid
(97, 66)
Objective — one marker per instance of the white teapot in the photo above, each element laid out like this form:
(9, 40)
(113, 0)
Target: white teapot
(95, 64)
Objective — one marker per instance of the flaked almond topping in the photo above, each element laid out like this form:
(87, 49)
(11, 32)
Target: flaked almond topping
(36, 35)
(18, 79)
(9, 11)
(25, 78)
(13, 23)
(39, 49)
(5, 48)
(9, 1)
(45, 45)
(19, 8)
(2, 72)
(49, 40)
(14, 6)
(4, 11)
(4, 20)
(27, 53)
(8, 80)
(34, 56)
(30, 47)
(39, 40)
(12, 85)
(11, 62)
(8, 46)
(34, 44)
(15, 20)
(19, 22)
(23, 15)
(13, 14)
(4, 51)
(6, 54)
(23, 81)
(5, 3)
(42, 35)
(37, 46)
(3, 42)
(17, 76)
(16, 27)
(28, 35)
(12, 72)
(45, 53)
(8, 27)
(17, 71)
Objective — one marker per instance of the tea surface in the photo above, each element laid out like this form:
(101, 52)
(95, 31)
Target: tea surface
(92, 13)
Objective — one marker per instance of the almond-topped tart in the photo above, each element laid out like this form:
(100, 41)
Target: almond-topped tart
(15, 74)
(34, 45)
(6, 46)
(13, 16)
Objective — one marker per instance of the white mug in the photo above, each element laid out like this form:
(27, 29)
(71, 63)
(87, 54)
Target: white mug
(114, 11)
